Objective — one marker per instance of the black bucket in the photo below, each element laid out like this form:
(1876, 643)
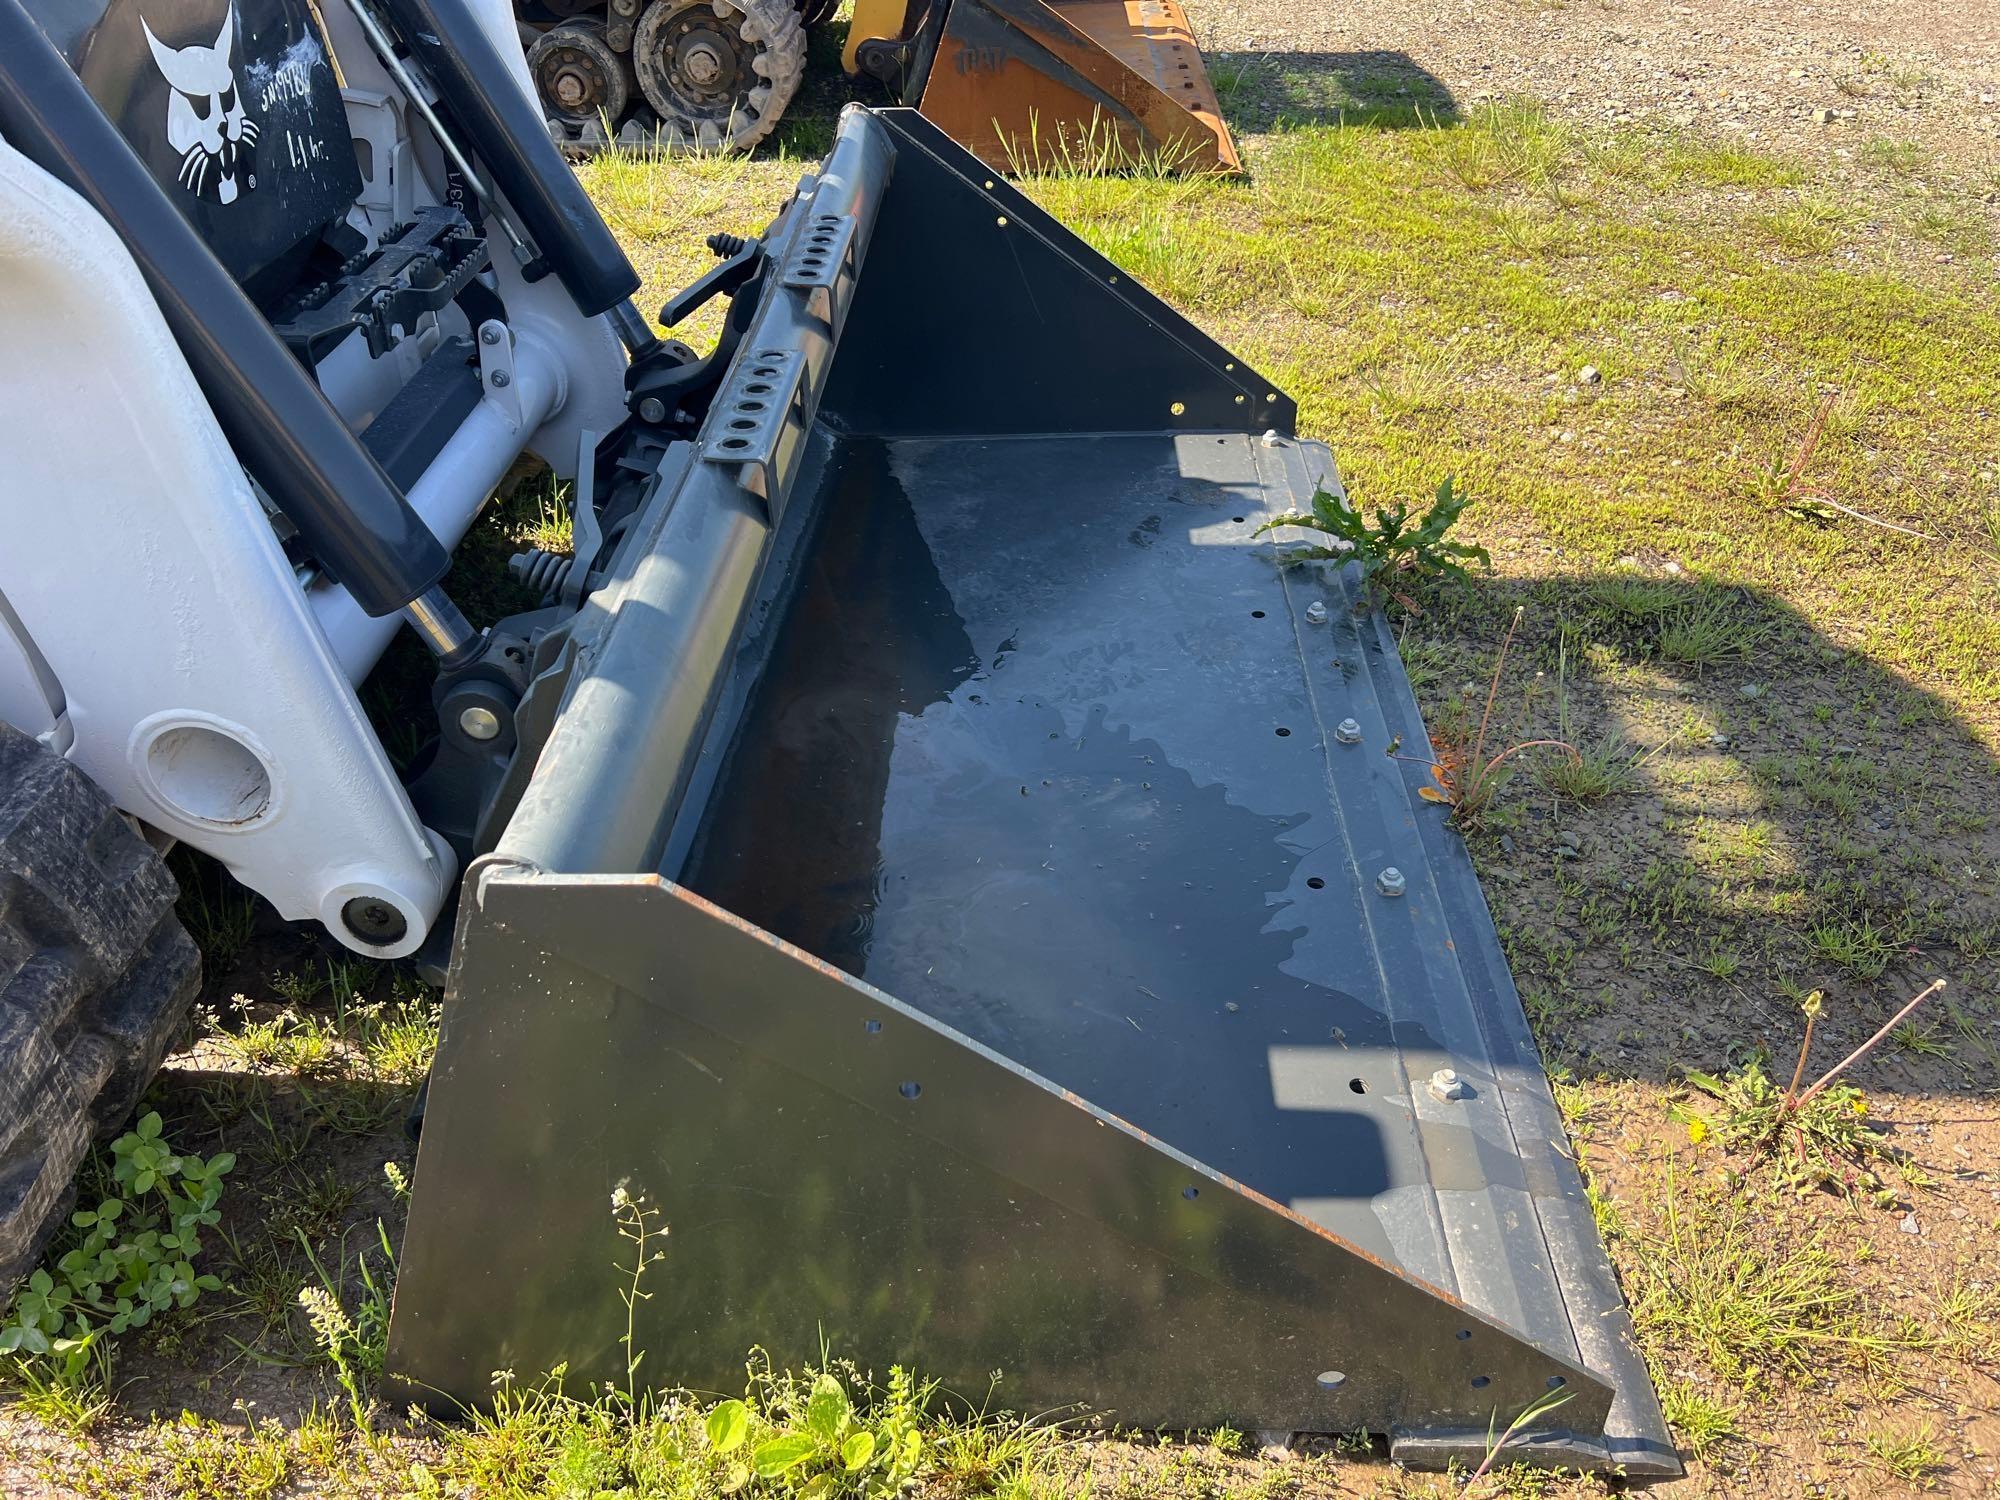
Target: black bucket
(966, 893)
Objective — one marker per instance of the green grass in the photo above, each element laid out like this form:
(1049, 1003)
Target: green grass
(1810, 225)
(1914, 1455)
(551, 528)
(1515, 143)
(1602, 767)
(1897, 158)
(1632, 599)
(1855, 944)
(1705, 634)
(1446, 283)
(1599, 764)
(1704, 1421)
(542, 1439)
(388, 1040)
(1724, 1285)
(1967, 1315)
(1919, 1041)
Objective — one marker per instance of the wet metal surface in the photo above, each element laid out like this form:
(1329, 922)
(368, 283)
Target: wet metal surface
(1050, 771)
(946, 786)
(1044, 749)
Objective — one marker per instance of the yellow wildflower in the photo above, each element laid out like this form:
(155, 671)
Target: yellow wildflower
(1698, 1130)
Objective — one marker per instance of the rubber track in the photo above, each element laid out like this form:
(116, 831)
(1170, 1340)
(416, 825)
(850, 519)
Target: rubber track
(779, 32)
(96, 977)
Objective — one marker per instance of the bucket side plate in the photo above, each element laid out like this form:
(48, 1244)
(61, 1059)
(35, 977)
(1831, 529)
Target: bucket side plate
(832, 1163)
(1154, 40)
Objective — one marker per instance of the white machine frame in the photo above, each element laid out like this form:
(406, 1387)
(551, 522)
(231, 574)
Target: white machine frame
(197, 679)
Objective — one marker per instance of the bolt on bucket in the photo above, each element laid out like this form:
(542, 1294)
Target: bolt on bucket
(963, 890)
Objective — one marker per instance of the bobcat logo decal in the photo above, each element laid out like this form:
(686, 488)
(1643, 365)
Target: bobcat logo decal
(205, 119)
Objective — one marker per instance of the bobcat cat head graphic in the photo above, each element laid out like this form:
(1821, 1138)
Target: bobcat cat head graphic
(206, 123)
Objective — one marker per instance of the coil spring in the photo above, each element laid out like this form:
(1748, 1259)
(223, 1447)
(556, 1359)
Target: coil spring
(544, 572)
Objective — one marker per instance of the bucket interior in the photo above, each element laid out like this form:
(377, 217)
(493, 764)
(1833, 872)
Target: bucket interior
(1033, 750)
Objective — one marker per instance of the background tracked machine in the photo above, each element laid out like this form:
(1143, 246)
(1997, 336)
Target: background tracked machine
(1095, 84)
(919, 839)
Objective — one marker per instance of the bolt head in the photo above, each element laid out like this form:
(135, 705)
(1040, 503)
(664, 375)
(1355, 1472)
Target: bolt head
(1315, 613)
(1272, 439)
(1391, 882)
(1446, 1084)
(489, 335)
(652, 409)
(479, 722)
(374, 920)
(501, 379)
(1348, 731)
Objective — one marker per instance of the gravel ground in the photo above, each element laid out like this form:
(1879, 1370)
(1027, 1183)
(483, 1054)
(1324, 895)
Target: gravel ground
(1823, 80)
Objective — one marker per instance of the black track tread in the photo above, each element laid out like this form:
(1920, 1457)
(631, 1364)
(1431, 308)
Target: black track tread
(779, 32)
(96, 977)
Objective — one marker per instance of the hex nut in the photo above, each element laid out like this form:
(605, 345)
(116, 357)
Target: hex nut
(1348, 731)
(1391, 882)
(1446, 1084)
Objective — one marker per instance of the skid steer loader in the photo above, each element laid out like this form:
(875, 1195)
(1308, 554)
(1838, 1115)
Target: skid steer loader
(1096, 84)
(919, 839)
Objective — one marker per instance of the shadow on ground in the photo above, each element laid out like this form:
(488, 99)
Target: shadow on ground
(1264, 91)
(1774, 814)
(1258, 91)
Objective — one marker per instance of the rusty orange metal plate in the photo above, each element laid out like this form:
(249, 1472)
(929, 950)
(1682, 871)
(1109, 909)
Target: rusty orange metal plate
(1154, 40)
(1089, 83)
